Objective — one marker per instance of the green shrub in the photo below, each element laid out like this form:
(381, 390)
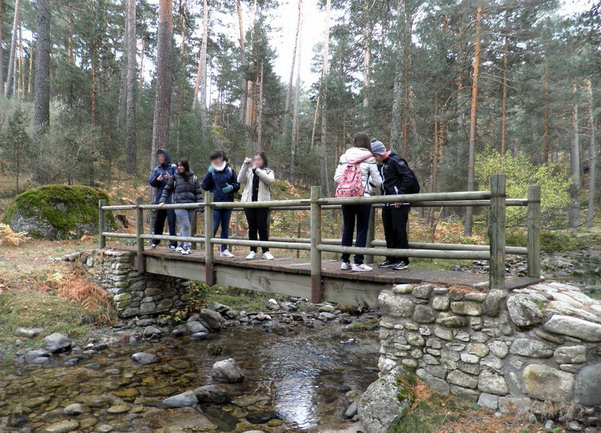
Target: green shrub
(551, 241)
(521, 173)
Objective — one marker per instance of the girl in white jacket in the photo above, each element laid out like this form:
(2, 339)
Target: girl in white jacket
(256, 178)
(360, 154)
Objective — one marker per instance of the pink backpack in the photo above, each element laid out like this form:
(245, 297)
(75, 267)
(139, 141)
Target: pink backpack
(350, 184)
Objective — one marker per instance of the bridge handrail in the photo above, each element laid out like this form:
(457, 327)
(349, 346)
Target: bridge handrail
(494, 253)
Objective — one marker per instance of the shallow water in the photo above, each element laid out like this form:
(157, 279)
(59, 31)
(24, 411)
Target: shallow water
(306, 377)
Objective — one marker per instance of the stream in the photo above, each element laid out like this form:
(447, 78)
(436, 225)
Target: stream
(300, 380)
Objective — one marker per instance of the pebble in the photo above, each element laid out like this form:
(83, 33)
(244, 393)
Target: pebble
(144, 358)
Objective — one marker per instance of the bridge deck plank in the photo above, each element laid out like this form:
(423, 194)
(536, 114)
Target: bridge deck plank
(331, 270)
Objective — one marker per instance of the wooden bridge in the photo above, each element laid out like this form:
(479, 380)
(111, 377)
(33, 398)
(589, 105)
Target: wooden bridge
(319, 279)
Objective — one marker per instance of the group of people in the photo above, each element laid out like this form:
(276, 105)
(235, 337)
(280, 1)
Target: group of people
(177, 183)
(365, 166)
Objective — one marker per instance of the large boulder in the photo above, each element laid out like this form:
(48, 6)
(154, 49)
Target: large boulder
(57, 212)
(381, 404)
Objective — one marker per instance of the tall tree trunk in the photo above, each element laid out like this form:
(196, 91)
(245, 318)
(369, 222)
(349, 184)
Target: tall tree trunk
(298, 26)
(42, 73)
(325, 181)
(504, 97)
(261, 114)
(142, 57)
(13, 51)
(243, 84)
(295, 116)
(473, 121)
(20, 83)
(1, 45)
(315, 117)
(204, 116)
(132, 147)
(31, 72)
(546, 115)
(593, 160)
(162, 105)
(367, 30)
(574, 216)
(397, 91)
(406, 87)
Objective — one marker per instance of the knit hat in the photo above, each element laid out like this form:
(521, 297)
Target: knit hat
(377, 147)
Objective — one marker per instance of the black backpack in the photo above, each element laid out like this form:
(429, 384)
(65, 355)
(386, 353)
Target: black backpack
(415, 188)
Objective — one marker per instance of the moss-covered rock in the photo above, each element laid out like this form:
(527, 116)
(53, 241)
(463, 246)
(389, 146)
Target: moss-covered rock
(57, 211)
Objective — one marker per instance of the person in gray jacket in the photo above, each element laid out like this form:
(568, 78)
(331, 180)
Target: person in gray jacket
(184, 188)
(257, 177)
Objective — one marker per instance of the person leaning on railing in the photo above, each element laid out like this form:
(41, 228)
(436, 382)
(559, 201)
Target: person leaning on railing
(185, 188)
(257, 178)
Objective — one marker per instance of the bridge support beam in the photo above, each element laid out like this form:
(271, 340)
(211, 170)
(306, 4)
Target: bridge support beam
(497, 232)
(101, 224)
(316, 286)
(209, 250)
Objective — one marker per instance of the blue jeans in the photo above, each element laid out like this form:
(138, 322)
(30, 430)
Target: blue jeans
(221, 217)
(185, 217)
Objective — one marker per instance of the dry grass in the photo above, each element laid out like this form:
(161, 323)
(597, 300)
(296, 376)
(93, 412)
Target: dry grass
(10, 238)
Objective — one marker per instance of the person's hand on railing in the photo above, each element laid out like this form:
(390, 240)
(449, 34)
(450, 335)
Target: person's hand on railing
(227, 189)
(161, 204)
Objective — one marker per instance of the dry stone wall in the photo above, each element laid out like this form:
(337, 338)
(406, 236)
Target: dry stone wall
(133, 294)
(541, 343)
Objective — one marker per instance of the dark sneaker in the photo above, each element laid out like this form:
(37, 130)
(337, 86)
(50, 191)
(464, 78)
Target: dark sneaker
(401, 266)
(388, 264)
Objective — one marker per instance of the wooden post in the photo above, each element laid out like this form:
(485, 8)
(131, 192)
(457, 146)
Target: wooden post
(139, 232)
(534, 231)
(101, 224)
(497, 232)
(316, 288)
(371, 233)
(209, 251)
(193, 228)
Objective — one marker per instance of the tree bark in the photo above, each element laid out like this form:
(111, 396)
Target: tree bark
(546, 115)
(13, 50)
(574, 216)
(243, 84)
(132, 147)
(397, 98)
(31, 72)
(261, 114)
(473, 121)
(325, 181)
(592, 182)
(162, 106)
(367, 30)
(295, 116)
(42, 73)
(504, 97)
(1, 45)
(202, 67)
(142, 57)
(289, 90)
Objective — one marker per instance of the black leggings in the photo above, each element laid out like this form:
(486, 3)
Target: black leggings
(258, 222)
(350, 213)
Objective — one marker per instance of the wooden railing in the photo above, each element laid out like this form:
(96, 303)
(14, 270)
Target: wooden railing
(495, 253)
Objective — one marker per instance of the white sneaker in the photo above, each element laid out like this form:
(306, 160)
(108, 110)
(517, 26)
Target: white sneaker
(268, 256)
(346, 266)
(179, 249)
(226, 254)
(361, 268)
(251, 255)
(186, 252)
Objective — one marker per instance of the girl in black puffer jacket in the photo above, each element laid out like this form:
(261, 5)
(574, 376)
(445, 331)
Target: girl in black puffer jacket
(185, 188)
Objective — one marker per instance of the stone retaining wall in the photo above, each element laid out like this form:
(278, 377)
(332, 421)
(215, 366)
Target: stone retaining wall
(134, 294)
(543, 343)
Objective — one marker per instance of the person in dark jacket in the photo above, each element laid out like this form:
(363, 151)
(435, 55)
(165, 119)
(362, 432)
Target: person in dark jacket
(185, 188)
(221, 180)
(159, 178)
(396, 179)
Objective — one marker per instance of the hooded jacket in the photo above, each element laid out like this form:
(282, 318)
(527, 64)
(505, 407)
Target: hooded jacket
(216, 180)
(396, 175)
(266, 178)
(181, 190)
(162, 169)
(369, 169)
